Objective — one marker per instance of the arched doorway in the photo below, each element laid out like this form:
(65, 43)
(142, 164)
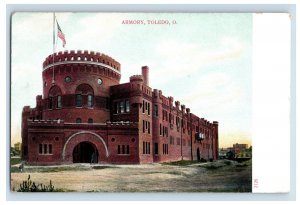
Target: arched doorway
(85, 152)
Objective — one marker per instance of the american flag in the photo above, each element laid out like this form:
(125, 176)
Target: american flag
(60, 34)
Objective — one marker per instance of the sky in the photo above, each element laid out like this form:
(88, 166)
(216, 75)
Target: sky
(202, 60)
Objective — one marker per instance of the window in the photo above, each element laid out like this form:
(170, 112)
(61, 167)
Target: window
(115, 107)
(50, 102)
(58, 101)
(155, 110)
(50, 148)
(90, 101)
(122, 107)
(143, 106)
(84, 95)
(78, 120)
(127, 106)
(155, 148)
(78, 100)
(45, 148)
(160, 130)
(123, 149)
(90, 121)
(146, 147)
(148, 127)
(40, 149)
(148, 108)
(67, 79)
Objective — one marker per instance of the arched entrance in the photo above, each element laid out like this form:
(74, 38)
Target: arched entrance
(85, 152)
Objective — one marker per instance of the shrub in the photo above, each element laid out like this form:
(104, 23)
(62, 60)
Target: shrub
(30, 186)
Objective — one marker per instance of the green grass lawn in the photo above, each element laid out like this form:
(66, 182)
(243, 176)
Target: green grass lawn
(14, 161)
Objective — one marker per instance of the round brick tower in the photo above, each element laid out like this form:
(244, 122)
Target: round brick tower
(76, 86)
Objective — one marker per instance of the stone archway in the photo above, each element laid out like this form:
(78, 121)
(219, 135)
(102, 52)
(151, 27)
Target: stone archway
(85, 152)
(86, 142)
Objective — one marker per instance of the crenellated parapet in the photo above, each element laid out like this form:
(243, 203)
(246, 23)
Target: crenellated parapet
(88, 57)
(136, 78)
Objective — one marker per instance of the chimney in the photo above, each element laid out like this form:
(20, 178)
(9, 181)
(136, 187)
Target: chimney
(145, 74)
(177, 104)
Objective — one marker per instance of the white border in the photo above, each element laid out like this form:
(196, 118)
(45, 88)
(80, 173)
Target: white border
(271, 103)
(4, 80)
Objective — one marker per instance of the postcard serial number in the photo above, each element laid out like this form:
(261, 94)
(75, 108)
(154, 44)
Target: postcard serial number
(149, 22)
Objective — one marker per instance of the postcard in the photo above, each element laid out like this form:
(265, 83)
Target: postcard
(141, 102)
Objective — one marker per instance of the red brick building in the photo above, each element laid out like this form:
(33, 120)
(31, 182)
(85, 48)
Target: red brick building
(86, 115)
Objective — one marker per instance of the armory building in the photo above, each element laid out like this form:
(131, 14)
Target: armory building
(86, 115)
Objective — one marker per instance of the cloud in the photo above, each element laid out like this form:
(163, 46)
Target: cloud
(228, 48)
(183, 58)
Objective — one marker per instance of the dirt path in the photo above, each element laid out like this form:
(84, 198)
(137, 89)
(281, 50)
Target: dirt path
(143, 178)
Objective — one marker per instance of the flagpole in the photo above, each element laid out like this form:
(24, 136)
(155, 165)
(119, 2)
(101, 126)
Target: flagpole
(53, 81)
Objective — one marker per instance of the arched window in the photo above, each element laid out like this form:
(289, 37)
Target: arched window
(84, 94)
(90, 121)
(54, 97)
(78, 120)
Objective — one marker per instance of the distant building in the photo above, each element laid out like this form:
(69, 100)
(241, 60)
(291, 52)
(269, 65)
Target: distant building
(86, 115)
(237, 148)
